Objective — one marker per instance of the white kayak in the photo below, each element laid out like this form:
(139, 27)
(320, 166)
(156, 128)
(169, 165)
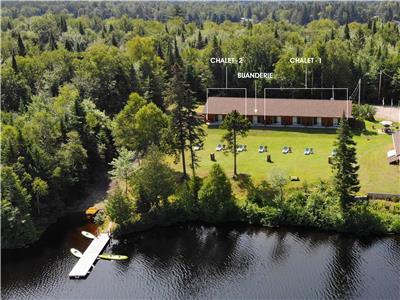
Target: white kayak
(76, 252)
(88, 235)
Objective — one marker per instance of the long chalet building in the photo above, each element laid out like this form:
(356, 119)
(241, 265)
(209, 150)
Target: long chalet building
(279, 112)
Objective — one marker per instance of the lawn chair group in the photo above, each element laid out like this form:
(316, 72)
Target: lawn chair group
(308, 151)
(286, 150)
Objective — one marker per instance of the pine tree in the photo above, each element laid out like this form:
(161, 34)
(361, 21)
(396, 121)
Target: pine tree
(68, 45)
(332, 34)
(345, 164)
(216, 69)
(63, 24)
(178, 58)
(346, 31)
(21, 46)
(159, 51)
(186, 130)
(52, 42)
(14, 63)
(81, 30)
(114, 41)
(199, 43)
(235, 124)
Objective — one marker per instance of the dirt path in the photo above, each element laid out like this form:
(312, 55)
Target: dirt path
(95, 193)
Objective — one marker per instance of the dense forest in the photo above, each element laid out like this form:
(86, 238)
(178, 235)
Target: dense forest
(81, 80)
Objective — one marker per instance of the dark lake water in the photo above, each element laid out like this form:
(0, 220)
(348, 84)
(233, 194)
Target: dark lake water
(194, 261)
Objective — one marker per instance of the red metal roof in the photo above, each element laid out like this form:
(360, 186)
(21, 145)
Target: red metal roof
(279, 107)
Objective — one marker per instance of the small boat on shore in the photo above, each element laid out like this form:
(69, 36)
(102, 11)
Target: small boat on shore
(76, 253)
(109, 256)
(88, 235)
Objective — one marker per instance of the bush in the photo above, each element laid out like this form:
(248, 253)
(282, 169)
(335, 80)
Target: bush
(364, 112)
(262, 195)
(215, 196)
(266, 216)
(120, 208)
(154, 182)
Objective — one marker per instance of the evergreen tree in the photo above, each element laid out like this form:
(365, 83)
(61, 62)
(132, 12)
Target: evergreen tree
(216, 69)
(52, 42)
(235, 124)
(114, 41)
(346, 31)
(159, 51)
(14, 63)
(81, 30)
(21, 46)
(345, 164)
(199, 42)
(185, 127)
(63, 24)
(178, 58)
(68, 45)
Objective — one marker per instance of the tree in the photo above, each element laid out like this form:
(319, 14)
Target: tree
(216, 69)
(154, 181)
(17, 227)
(21, 46)
(236, 125)
(215, 195)
(345, 164)
(119, 208)
(123, 167)
(14, 63)
(40, 189)
(150, 123)
(346, 32)
(139, 125)
(63, 24)
(68, 45)
(52, 42)
(185, 127)
(278, 181)
(81, 30)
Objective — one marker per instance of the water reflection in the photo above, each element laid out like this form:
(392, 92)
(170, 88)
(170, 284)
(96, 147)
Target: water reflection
(194, 261)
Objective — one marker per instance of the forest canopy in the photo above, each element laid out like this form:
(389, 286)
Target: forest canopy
(77, 75)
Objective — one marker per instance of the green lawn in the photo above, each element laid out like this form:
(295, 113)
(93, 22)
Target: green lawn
(376, 175)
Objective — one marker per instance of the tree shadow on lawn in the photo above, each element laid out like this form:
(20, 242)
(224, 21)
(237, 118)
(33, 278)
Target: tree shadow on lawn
(244, 181)
(359, 128)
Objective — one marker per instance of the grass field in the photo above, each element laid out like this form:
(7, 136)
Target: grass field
(375, 174)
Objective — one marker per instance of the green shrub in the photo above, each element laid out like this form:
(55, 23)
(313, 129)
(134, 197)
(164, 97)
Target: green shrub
(120, 208)
(364, 112)
(266, 216)
(215, 196)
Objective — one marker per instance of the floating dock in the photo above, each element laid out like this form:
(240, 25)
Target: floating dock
(85, 263)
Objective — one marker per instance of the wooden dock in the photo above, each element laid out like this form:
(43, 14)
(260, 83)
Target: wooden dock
(85, 263)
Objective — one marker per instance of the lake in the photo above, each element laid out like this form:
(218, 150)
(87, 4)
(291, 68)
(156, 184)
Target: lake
(197, 261)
